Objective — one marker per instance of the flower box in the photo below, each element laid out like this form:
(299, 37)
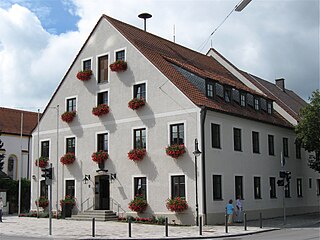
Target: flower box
(136, 103)
(176, 204)
(101, 109)
(175, 150)
(66, 205)
(100, 156)
(137, 154)
(42, 202)
(118, 66)
(68, 116)
(68, 158)
(43, 162)
(138, 204)
(84, 75)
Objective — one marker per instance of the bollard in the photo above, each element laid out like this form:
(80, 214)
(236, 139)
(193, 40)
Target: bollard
(260, 218)
(245, 221)
(93, 227)
(226, 222)
(166, 227)
(200, 226)
(129, 223)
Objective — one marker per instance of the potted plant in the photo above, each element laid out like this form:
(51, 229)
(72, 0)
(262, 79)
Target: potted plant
(42, 201)
(118, 66)
(176, 204)
(68, 158)
(137, 154)
(136, 103)
(43, 162)
(138, 204)
(68, 116)
(175, 150)
(84, 75)
(100, 156)
(66, 205)
(101, 109)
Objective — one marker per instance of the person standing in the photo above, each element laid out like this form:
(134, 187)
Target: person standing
(239, 210)
(230, 210)
(1, 208)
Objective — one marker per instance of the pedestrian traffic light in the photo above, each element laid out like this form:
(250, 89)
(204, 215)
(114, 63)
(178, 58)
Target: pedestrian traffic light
(47, 174)
(282, 174)
(280, 182)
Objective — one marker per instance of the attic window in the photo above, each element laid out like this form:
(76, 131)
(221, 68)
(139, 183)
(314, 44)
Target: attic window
(256, 104)
(243, 99)
(269, 107)
(263, 104)
(250, 99)
(235, 95)
(219, 90)
(227, 94)
(210, 90)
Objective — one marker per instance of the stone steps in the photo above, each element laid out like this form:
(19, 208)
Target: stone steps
(99, 215)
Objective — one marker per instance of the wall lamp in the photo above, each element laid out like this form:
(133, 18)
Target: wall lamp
(86, 178)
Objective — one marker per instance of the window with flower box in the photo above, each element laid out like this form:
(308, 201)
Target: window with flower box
(70, 189)
(103, 98)
(102, 142)
(45, 148)
(86, 64)
(139, 91)
(71, 104)
(121, 55)
(103, 67)
(140, 187)
(178, 188)
(177, 133)
(71, 145)
(139, 138)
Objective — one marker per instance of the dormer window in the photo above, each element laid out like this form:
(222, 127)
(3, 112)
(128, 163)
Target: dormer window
(227, 94)
(242, 99)
(249, 99)
(235, 95)
(269, 107)
(210, 90)
(256, 104)
(219, 90)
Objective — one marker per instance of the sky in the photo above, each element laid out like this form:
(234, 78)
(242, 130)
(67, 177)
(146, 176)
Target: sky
(271, 39)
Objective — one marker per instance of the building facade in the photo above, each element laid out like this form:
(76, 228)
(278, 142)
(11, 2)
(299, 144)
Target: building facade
(187, 96)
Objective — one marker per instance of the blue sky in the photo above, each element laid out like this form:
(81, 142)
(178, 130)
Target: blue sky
(269, 38)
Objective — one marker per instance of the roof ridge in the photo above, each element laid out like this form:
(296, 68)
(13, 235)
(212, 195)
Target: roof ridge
(17, 110)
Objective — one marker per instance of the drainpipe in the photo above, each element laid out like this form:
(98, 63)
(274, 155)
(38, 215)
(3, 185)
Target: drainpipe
(203, 114)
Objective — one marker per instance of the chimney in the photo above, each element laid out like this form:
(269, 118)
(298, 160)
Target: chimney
(280, 84)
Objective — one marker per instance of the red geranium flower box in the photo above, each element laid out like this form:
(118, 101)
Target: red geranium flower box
(43, 162)
(137, 154)
(101, 109)
(42, 202)
(177, 204)
(136, 103)
(100, 156)
(118, 66)
(175, 150)
(84, 75)
(138, 204)
(68, 158)
(68, 116)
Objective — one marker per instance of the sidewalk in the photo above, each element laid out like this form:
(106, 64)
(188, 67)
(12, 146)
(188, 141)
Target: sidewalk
(67, 229)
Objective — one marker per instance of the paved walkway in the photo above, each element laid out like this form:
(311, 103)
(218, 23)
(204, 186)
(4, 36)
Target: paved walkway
(67, 229)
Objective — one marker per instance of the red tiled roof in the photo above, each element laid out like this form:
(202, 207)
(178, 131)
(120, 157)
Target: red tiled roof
(161, 53)
(10, 121)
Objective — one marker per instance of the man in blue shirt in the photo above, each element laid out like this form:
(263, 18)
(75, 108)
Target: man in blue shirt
(230, 210)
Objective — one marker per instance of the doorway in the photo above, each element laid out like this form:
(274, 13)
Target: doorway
(102, 192)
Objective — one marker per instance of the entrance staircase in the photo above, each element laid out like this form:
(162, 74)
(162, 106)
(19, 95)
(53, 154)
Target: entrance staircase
(99, 215)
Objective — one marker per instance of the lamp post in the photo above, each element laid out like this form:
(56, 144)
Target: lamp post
(196, 154)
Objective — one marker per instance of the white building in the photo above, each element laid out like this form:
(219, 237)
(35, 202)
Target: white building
(188, 96)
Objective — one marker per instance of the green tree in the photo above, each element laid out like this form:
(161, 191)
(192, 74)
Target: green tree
(308, 129)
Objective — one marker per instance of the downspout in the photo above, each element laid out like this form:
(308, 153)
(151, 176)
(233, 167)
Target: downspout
(203, 114)
(28, 165)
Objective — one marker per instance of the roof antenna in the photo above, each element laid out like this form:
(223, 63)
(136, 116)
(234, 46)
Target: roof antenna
(145, 16)
(174, 33)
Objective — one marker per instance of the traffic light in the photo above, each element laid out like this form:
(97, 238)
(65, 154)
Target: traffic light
(280, 182)
(47, 174)
(282, 174)
(288, 176)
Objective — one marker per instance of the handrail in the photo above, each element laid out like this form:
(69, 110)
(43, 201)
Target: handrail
(88, 204)
(118, 206)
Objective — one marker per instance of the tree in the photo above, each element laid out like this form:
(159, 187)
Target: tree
(308, 129)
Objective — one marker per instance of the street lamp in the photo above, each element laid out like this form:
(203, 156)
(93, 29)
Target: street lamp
(196, 154)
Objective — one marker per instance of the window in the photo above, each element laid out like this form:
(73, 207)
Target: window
(318, 187)
(102, 142)
(217, 187)
(71, 145)
(242, 99)
(310, 183)
(257, 187)
(272, 182)
(178, 186)
(70, 188)
(139, 91)
(269, 107)
(219, 90)
(285, 147)
(287, 190)
(249, 99)
(140, 186)
(299, 187)
(237, 139)
(227, 94)
(86, 65)
(210, 90)
(103, 66)
(298, 150)
(271, 144)
(238, 187)
(256, 104)
(177, 134)
(120, 55)
(103, 98)
(139, 136)
(45, 149)
(215, 135)
(255, 142)
(235, 95)
(71, 105)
